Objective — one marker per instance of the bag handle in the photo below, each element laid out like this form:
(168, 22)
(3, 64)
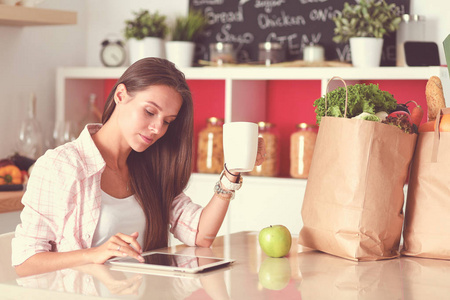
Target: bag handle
(437, 134)
(346, 94)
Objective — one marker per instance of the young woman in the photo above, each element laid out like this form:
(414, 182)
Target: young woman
(118, 188)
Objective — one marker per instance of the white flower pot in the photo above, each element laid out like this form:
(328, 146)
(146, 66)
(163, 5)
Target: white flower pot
(181, 53)
(147, 47)
(366, 51)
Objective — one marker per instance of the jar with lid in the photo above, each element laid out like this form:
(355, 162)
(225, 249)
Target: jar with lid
(271, 53)
(313, 53)
(222, 53)
(270, 166)
(303, 141)
(210, 147)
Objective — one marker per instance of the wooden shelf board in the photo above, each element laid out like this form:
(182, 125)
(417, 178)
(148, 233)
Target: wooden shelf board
(29, 16)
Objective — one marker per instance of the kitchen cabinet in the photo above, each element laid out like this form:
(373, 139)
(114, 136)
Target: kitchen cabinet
(11, 15)
(248, 94)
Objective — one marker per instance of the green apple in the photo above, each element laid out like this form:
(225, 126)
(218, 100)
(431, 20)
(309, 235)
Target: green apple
(275, 240)
(275, 273)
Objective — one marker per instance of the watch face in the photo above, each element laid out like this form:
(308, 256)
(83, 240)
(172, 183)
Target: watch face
(113, 55)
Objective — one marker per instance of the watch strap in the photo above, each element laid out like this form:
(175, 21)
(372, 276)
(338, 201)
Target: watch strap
(219, 191)
(226, 183)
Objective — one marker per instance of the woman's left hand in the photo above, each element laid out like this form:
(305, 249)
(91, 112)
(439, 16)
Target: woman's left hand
(261, 155)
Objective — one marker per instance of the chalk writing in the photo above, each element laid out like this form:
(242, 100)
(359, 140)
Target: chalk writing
(265, 21)
(294, 23)
(223, 17)
(225, 36)
(389, 53)
(290, 40)
(323, 14)
(344, 54)
(207, 2)
(311, 1)
(268, 4)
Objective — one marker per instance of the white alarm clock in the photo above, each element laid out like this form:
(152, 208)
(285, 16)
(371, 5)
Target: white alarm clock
(113, 53)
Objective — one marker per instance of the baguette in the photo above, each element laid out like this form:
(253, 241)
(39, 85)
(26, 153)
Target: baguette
(435, 97)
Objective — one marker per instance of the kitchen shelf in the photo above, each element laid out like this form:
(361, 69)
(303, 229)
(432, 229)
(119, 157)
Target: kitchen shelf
(244, 86)
(273, 73)
(247, 94)
(11, 15)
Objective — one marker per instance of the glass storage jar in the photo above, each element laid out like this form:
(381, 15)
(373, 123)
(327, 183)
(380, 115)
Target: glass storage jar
(222, 53)
(303, 141)
(210, 147)
(271, 53)
(270, 166)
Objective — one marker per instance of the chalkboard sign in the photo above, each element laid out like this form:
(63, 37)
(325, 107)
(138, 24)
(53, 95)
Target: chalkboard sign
(293, 23)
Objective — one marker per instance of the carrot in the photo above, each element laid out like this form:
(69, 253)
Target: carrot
(417, 115)
(443, 126)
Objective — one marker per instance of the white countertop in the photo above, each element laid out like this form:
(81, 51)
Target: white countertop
(302, 275)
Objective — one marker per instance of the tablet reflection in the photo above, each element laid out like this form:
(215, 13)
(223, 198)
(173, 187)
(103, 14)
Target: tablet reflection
(110, 281)
(90, 280)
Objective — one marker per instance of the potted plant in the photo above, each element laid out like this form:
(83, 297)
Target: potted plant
(184, 33)
(145, 35)
(365, 24)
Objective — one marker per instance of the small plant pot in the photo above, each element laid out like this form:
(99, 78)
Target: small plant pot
(147, 47)
(181, 53)
(366, 51)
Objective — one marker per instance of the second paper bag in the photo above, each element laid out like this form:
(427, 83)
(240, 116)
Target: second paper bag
(427, 224)
(354, 195)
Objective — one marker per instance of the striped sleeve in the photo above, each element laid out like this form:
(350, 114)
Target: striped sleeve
(184, 219)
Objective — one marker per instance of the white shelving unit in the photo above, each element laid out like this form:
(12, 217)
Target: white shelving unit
(242, 84)
(263, 201)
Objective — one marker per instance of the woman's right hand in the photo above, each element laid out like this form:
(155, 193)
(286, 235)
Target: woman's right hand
(120, 245)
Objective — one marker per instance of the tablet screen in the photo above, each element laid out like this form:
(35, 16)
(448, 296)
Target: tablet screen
(182, 261)
(178, 262)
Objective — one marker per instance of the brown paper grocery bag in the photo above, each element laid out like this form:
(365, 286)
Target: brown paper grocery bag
(353, 201)
(427, 218)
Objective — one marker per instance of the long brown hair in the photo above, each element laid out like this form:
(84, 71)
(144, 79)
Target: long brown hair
(161, 172)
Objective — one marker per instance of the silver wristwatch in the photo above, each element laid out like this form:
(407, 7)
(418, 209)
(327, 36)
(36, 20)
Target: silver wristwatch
(226, 183)
(219, 190)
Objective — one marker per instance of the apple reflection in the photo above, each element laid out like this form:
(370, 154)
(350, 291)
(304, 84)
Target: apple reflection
(275, 273)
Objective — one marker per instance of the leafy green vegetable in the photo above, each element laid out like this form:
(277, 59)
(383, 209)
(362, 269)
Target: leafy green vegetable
(361, 98)
(402, 122)
(368, 117)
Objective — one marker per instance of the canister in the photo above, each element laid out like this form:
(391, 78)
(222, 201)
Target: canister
(271, 53)
(270, 166)
(222, 53)
(303, 141)
(210, 147)
(313, 53)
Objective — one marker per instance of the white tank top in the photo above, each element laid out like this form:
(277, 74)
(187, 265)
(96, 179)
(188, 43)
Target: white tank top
(119, 215)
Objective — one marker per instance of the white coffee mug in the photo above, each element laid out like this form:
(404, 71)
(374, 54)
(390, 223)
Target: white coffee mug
(240, 145)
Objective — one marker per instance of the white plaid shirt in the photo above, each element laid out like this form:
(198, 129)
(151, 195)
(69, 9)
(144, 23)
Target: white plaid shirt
(63, 202)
